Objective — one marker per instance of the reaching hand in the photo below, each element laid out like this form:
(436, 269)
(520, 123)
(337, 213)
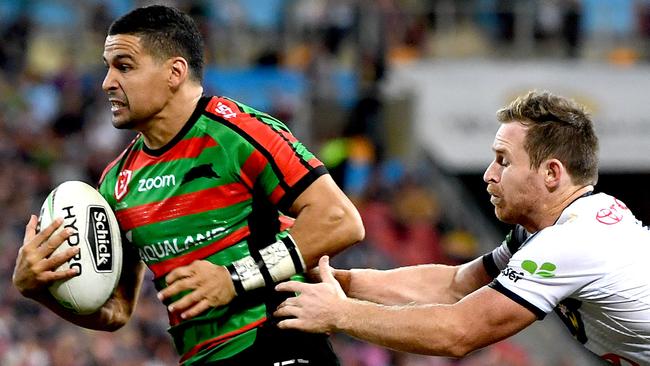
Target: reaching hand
(35, 268)
(316, 307)
(210, 286)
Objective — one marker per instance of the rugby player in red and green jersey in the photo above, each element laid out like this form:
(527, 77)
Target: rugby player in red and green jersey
(219, 200)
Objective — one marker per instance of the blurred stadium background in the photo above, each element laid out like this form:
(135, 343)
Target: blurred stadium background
(396, 96)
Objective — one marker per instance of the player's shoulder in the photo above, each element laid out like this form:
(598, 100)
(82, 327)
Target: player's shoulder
(241, 116)
(584, 229)
(595, 214)
(221, 108)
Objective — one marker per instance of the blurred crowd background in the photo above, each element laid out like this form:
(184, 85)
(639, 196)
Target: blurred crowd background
(325, 67)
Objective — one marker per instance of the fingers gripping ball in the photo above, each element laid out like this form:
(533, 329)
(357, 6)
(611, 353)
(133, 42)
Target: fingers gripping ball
(96, 233)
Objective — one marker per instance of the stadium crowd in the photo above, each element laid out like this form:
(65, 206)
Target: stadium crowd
(54, 126)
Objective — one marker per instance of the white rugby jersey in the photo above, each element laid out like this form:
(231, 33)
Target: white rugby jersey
(593, 268)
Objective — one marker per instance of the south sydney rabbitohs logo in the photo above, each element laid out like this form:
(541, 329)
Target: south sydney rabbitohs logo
(100, 239)
(122, 184)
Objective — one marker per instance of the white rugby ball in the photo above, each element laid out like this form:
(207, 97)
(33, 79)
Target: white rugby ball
(97, 235)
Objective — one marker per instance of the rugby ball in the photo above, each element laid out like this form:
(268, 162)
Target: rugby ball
(99, 261)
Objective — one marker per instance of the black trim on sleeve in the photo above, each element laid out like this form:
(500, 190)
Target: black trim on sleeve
(490, 266)
(518, 299)
(290, 195)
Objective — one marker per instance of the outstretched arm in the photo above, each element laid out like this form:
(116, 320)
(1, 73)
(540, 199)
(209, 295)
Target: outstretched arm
(421, 284)
(35, 271)
(481, 318)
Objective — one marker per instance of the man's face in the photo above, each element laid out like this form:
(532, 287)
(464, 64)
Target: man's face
(515, 189)
(136, 83)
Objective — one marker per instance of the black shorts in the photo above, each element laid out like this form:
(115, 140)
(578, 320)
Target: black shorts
(275, 347)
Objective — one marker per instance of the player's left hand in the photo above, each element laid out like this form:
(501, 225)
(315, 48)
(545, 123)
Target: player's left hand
(315, 308)
(210, 286)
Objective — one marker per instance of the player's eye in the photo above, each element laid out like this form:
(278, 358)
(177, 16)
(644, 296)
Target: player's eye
(502, 161)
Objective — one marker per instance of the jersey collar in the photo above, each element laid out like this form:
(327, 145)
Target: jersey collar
(200, 107)
(569, 212)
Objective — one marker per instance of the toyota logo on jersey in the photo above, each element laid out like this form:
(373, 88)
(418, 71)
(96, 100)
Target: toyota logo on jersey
(122, 184)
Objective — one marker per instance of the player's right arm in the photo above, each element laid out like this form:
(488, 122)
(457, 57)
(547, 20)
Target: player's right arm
(35, 271)
(430, 283)
(421, 284)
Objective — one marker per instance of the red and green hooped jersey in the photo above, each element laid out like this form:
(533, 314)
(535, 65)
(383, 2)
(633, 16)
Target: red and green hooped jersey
(215, 192)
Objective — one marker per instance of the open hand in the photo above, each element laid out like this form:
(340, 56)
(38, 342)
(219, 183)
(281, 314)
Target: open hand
(35, 268)
(210, 284)
(316, 307)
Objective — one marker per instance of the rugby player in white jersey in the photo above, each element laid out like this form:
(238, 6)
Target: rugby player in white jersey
(581, 254)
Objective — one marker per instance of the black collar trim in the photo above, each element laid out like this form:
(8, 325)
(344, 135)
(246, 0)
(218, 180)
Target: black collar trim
(200, 107)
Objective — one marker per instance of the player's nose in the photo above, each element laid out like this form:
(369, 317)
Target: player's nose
(490, 175)
(110, 82)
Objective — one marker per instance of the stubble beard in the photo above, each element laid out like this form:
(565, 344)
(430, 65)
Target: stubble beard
(123, 124)
(504, 215)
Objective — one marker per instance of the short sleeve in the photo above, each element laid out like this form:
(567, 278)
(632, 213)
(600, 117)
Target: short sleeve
(497, 260)
(548, 269)
(271, 157)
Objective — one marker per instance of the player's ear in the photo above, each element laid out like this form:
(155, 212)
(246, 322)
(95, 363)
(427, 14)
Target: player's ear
(553, 171)
(179, 71)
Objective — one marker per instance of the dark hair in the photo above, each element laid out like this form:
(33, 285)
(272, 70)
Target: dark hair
(557, 128)
(165, 32)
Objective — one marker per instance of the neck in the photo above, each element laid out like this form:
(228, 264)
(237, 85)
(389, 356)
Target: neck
(170, 120)
(553, 211)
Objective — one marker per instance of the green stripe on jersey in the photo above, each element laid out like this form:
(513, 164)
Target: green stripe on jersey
(302, 151)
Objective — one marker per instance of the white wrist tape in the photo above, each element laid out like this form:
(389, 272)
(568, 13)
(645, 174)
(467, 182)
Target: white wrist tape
(281, 259)
(278, 260)
(249, 273)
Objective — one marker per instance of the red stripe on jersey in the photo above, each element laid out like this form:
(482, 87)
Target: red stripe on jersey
(286, 222)
(276, 195)
(291, 138)
(182, 205)
(314, 163)
(273, 141)
(211, 343)
(252, 167)
(163, 267)
(185, 149)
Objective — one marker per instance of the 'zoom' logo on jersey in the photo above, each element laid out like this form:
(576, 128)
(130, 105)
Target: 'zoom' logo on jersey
(100, 239)
(512, 275)
(157, 182)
